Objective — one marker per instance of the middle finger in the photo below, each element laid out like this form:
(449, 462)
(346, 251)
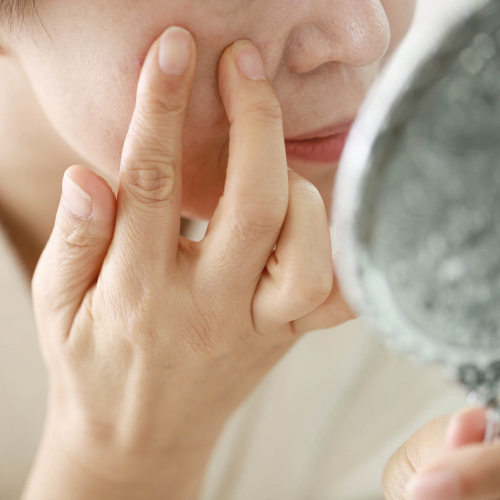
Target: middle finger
(149, 194)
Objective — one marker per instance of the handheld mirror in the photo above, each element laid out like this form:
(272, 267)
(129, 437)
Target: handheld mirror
(417, 208)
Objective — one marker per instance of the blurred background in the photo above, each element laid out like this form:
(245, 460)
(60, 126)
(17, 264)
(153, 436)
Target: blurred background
(431, 18)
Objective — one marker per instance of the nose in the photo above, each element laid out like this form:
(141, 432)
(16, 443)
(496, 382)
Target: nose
(352, 32)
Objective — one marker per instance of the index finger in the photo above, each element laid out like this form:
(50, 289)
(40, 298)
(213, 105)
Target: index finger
(149, 193)
(247, 222)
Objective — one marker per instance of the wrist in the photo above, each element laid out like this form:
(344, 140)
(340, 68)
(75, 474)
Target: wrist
(78, 469)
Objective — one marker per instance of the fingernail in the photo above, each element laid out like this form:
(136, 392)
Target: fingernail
(441, 485)
(289, 169)
(175, 51)
(75, 198)
(249, 60)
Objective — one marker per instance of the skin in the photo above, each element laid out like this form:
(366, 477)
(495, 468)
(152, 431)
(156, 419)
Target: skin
(321, 58)
(81, 82)
(186, 329)
(451, 444)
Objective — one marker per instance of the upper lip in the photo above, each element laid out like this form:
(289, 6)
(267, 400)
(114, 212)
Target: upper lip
(336, 128)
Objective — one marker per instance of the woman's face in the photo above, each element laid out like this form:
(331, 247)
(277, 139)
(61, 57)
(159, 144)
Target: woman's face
(320, 55)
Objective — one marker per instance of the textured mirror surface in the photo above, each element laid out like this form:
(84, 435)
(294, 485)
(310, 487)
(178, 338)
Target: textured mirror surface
(426, 223)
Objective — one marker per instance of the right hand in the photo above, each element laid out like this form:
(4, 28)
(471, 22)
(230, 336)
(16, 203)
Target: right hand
(151, 340)
(446, 459)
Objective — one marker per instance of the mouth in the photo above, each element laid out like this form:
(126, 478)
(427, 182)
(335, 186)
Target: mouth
(324, 146)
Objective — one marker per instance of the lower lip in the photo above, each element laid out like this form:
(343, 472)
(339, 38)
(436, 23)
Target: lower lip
(325, 149)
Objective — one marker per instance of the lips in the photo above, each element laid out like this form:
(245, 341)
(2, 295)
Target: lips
(329, 130)
(324, 145)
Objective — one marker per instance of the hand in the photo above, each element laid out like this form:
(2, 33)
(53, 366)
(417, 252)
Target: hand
(450, 460)
(151, 340)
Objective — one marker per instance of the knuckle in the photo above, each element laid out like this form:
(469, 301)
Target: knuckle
(339, 310)
(148, 140)
(266, 111)
(313, 290)
(151, 181)
(253, 221)
(308, 192)
(78, 240)
(324, 285)
(175, 108)
(160, 103)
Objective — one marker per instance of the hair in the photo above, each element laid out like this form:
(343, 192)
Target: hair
(11, 10)
(17, 11)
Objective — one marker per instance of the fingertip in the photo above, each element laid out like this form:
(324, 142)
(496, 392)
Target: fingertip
(175, 51)
(223, 76)
(100, 192)
(467, 426)
(249, 60)
(240, 68)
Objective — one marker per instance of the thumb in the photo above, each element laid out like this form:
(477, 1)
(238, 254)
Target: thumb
(76, 249)
(423, 447)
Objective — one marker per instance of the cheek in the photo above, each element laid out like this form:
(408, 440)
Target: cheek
(91, 106)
